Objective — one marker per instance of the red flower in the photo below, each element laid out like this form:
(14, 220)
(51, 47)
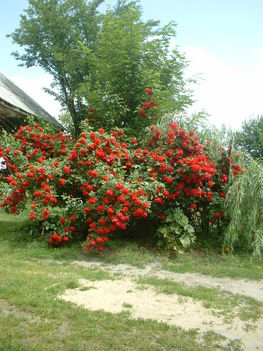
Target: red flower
(159, 201)
(92, 226)
(72, 219)
(140, 192)
(102, 222)
(93, 173)
(196, 168)
(99, 241)
(146, 105)
(100, 208)
(66, 170)
(125, 191)
(92, 243)
(32, 216)
(38, 193)
(92, 200)
(171, 134)
(118, 186)
(121, 199)
(53, 200)
(109, 192)
(148, 91)
(141, 112)
(46, 211)
(216, 215)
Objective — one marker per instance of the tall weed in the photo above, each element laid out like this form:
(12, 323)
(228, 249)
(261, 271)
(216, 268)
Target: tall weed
(245, 209)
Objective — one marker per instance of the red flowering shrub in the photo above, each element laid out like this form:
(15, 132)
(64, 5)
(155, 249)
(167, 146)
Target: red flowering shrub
(103, 181)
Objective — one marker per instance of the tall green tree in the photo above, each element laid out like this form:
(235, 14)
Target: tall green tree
(250, 138)
(131, 55)
(50, 32)
(66, 121)
(103, 60)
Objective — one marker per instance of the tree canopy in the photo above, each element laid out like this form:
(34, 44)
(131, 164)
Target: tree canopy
(250, 138)
(102, 61)
(49, 32)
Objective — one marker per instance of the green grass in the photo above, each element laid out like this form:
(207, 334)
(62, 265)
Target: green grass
(212, 263)
(131, 253)
(224, 303)
(202, 261)
(32, 290)
(32, 318)
(127, 305)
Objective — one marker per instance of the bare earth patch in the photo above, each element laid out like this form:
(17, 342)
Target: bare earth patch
(7, 310)
(235, 286)
(124, 294)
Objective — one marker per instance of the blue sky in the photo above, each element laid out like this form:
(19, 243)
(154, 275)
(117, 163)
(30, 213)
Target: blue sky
(221, 39)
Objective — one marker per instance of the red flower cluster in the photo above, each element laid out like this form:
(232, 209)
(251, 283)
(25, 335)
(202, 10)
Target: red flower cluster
(56, 240)
(93, 185)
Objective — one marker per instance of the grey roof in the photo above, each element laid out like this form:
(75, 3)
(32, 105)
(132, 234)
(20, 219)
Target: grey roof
(15, 102)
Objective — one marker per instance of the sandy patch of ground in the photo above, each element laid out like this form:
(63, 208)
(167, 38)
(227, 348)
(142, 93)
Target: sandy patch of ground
(124, 294)
(235, 286)
(121, 295)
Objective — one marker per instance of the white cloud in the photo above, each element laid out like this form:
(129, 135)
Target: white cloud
(34, 88)
(258, 53)
(230, 94)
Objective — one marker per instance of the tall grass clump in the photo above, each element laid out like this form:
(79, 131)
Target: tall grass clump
(245, 209)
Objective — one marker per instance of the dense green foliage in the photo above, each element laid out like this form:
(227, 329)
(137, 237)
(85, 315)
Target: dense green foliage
(245, 209)
(66, 121)
(130, 56)
(49, 33)
(250, 138)
(176, 233)
(102, 62)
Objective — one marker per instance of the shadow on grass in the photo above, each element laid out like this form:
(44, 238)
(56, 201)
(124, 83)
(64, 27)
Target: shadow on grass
(16, 238)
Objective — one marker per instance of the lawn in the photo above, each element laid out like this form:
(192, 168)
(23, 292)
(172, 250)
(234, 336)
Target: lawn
(32, 276)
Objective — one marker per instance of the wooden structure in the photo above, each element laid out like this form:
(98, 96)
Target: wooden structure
(15, 105)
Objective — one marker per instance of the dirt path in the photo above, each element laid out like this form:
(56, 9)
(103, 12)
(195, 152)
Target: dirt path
(124, 294)
(239, 286)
